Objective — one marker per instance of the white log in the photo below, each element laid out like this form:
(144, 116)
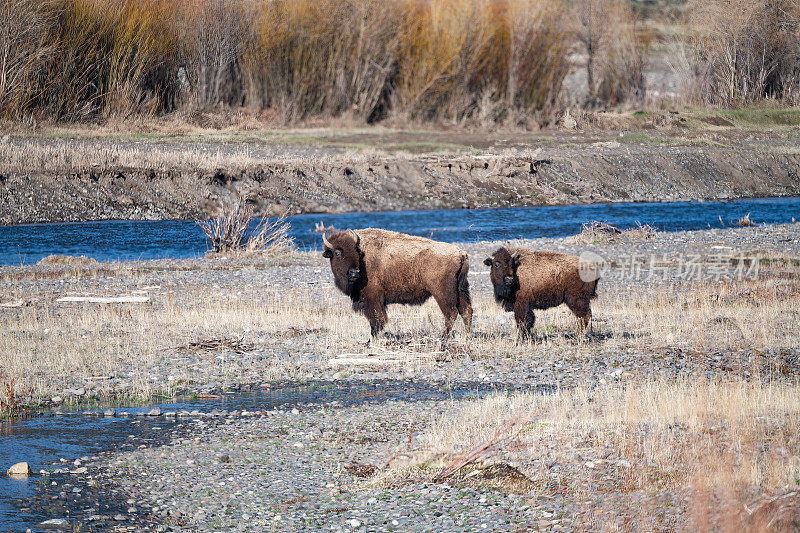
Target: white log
(370, 361)
(104, 300)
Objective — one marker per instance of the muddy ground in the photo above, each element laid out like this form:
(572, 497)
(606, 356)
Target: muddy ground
(57, 178)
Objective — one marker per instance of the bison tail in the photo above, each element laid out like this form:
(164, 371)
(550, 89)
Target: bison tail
(463, 283)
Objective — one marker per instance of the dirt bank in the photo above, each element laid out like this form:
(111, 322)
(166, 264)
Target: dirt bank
(62, 181)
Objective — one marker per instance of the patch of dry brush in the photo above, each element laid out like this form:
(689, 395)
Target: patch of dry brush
(704, 447)
(481, 60)
(741, 52)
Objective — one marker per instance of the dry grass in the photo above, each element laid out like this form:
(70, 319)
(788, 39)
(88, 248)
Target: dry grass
(274, 148)
(712, 444)
(44, 344)
(91, 58)
(58, 259)
(26, 155)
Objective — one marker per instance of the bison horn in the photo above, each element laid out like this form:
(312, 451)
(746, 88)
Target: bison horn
(354, 235)
(325, 243)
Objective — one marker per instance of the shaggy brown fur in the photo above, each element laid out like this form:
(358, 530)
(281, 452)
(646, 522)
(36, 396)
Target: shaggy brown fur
(376, 267)
(525, 280)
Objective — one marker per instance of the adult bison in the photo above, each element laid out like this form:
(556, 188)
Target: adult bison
(375, 267)
(525, 280)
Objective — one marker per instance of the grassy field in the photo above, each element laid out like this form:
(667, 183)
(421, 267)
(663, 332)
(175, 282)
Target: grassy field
(44, 341)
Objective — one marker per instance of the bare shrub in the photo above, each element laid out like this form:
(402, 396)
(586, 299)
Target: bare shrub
(742, 51)
(231, 233)
(214, 34)
(485, 61)
(614, 63)
(322, 57)
(271, 236)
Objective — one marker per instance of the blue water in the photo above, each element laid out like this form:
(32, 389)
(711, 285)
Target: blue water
(127, 240)
(43, 440)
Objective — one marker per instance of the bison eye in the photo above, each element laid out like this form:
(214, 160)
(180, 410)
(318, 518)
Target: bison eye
(338, 253)
(497, 264)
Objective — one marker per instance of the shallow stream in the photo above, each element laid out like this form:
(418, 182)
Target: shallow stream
(44, 440)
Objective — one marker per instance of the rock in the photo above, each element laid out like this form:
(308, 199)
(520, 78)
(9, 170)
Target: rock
(354, 523)
(55, 524)
(110, 412)
(56, 399)
(81, 470)
(156, 411)
(19, 470)
(224, 458)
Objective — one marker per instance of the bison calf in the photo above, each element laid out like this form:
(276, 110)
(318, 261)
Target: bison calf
(375, 267)
(525, 280)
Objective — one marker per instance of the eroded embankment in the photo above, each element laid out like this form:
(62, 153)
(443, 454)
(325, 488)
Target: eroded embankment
(553, 175)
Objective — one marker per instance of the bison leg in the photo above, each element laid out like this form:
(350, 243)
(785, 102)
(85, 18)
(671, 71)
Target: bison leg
(448, 305)
(465, 310)
(523, 315)
(582, 311)
(375, 309)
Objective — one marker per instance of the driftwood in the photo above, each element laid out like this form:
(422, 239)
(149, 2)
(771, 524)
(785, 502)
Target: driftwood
(386, 357)
(105, 300)
(218, 345)
(478, 451)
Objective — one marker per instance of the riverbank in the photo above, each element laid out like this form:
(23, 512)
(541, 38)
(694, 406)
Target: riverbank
(70, 176)
(679, 314)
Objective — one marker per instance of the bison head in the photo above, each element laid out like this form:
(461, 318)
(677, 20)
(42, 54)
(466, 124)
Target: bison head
(347, 261)
(503, 274)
